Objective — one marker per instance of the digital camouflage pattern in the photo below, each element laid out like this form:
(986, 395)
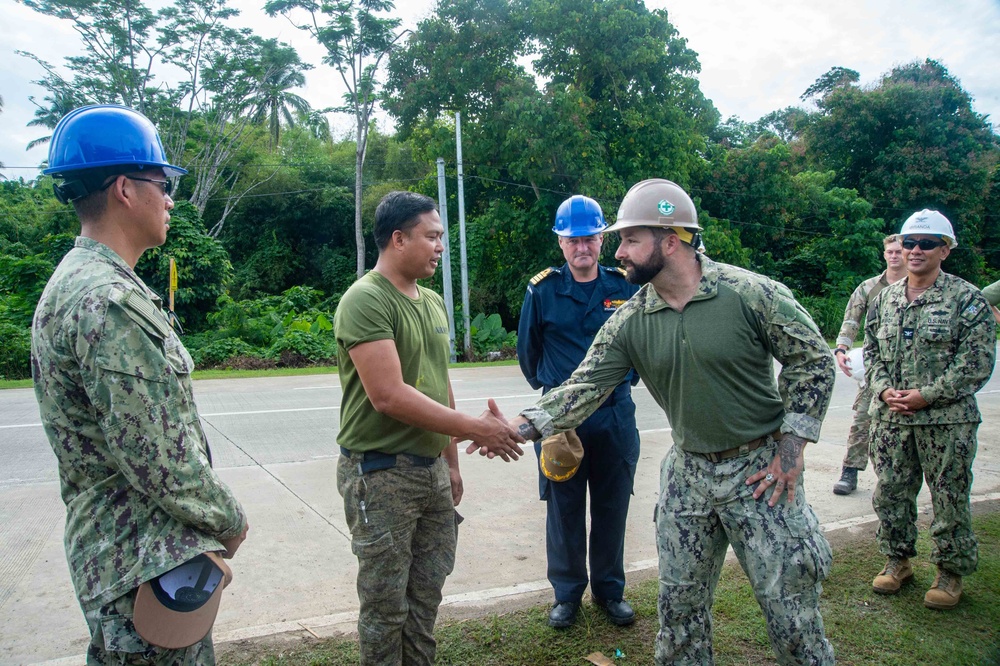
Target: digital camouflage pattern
(113, 640)
(943, 343)
(114, 392)
(904, 456)
(786, 332)
(703, 508)
(403, 532)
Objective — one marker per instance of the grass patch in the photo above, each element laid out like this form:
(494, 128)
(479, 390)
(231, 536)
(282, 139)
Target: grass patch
(864, 628)
(274, 372)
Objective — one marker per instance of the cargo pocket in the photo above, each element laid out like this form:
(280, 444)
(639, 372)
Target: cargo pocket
(120, 636)
(812, 555)
(363, 547)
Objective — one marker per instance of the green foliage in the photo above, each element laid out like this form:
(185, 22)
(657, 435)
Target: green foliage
(15, 350)
(487, 334)
(291, 328)
(218, 352)
(203, 267)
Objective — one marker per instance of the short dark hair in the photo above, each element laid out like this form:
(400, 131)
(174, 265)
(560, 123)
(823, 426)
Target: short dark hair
(398, 211)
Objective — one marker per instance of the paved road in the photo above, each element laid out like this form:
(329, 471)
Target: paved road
(274, 442)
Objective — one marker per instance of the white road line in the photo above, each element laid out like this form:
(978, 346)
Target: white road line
(315, 388)
(274, 411)
(22, 425)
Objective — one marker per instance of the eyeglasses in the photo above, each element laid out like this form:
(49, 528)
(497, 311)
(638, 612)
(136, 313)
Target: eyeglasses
(925, 244)
(167, 185)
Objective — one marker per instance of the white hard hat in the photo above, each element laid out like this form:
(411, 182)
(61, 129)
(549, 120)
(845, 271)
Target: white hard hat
(929, 222)
(856, 359)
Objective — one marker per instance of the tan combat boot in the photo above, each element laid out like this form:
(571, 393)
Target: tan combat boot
(896, 572)
(945, 592)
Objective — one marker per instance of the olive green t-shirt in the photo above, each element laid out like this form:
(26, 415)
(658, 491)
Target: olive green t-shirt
(373, 309)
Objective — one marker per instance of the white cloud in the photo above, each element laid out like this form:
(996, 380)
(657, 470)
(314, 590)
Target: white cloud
(756, 57)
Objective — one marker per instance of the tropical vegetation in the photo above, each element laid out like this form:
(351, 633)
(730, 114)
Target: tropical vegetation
(555, 97)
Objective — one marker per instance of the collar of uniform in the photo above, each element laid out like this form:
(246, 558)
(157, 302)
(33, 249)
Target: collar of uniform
(112, 256)
(933, 294)
(708, 286)
(567, 287)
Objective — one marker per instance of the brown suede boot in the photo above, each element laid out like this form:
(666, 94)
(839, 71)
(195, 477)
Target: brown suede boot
(896, 572)
(945, 592)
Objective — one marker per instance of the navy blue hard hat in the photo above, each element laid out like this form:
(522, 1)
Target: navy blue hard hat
(106, 136)
(579, 216)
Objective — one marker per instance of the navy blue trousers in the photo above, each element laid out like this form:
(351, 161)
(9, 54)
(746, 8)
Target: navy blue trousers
(611, 451)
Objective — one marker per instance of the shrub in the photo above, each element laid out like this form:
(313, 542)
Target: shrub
(15, 351)
(298, 347)
(219, 352)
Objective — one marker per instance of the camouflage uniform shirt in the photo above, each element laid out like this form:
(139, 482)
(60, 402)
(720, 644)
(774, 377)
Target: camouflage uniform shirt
(858, 306)
(114, 391)
(710, 367)
(942, 344)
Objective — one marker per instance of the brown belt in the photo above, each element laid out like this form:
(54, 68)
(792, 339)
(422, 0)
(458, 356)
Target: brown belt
(743, 449)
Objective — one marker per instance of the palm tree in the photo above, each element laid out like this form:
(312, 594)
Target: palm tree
(272, 103)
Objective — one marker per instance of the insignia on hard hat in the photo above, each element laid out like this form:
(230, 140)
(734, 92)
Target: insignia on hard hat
(665, 207)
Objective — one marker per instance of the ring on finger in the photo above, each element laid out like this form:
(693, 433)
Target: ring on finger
(769, 477)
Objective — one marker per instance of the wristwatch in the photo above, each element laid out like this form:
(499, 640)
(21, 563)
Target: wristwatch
(838, 350)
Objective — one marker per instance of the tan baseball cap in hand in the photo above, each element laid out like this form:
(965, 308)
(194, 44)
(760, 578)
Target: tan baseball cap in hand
(561, 455)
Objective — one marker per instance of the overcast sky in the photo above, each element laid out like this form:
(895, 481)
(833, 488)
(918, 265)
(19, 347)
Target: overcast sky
(756, 55)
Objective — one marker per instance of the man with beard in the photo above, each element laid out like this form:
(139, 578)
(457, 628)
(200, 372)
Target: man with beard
(563, 310)
(704, 336)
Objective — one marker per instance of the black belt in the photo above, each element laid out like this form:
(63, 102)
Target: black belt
(742, 449)
(372, 461)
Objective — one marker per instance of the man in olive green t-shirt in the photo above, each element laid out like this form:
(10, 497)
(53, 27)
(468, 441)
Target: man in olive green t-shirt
(398, 470)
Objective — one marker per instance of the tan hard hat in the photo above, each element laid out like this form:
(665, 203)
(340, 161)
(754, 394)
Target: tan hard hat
(658, 203)
(561, 455)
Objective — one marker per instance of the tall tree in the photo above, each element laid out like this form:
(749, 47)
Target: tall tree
(912, 141)
(356, 39)
(274, 101)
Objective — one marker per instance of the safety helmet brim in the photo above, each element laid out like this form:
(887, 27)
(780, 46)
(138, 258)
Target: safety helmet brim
(106, 137)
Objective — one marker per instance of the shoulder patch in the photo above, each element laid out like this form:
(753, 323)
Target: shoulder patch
(544, 274)
(142, 312)
(615, 270)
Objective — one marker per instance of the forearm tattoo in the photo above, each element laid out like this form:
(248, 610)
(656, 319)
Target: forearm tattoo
(527, 431)
(789, 449)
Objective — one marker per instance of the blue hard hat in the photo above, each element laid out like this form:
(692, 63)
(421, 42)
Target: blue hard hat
(579, 216)
(106, 136)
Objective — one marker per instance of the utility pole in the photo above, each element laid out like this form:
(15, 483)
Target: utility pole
(449, 301)
(461, 239)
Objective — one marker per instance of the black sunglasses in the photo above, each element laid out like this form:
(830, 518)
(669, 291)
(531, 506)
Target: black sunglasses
(167, 185)
(925, 244)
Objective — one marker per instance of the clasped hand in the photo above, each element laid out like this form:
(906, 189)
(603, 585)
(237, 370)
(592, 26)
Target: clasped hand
(904, 401)
(493, 436)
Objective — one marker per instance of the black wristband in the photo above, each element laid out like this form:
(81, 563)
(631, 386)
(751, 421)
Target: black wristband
(838, 350)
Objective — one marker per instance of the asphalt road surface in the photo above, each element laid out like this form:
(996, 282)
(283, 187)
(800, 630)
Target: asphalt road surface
(274, 441)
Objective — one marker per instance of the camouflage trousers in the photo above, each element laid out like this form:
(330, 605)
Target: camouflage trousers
(703, 508)
(114, 640)
(402, 523)
(858, 436)
(904, 456)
